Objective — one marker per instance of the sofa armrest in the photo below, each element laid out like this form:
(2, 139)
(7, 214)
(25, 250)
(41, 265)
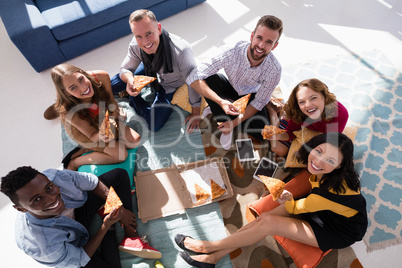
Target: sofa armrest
(30, 34)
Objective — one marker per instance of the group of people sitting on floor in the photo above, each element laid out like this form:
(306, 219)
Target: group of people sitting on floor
(57, 206)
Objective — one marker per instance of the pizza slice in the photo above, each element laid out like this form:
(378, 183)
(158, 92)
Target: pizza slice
(216, 190)
(112, 201)
(105, 127)
(270, 131)
(241, 103)
(200, 193)
(274, 186)
(140, 81)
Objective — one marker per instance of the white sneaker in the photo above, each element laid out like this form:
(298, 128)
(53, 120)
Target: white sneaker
(226, 140)
(206, 112)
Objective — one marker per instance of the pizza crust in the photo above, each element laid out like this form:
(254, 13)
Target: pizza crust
(105, 127)
(140, 81)
(274, 186)
(270, 131)
(200, 193)
(216, 190)
(112, 201)
(241, 103)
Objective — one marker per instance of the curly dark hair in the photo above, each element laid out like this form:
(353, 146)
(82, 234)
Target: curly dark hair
(346, 171)
(292, 108)
(15, 180)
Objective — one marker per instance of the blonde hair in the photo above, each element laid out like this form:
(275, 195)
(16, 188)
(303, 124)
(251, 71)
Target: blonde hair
(140, 14)
(292, 108)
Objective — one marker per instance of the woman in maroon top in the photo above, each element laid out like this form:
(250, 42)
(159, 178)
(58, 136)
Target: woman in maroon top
(310, 105)
(82, 101)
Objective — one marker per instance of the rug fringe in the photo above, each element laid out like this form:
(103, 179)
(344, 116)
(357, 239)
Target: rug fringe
(383, 245)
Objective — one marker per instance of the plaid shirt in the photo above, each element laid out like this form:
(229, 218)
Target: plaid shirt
(245, 79)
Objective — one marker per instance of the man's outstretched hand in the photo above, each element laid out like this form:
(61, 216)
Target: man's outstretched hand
(229, 108)
(193, 123)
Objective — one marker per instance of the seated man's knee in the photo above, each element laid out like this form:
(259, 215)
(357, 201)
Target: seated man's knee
(116, 173)
(118, 85)
(159, 118)
(121, 172)
(155, 127)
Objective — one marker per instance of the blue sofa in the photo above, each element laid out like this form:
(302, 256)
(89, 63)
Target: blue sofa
(49, 32)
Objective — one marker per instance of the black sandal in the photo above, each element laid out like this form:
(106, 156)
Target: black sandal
(66, 160)
(179, 239)
(195, 263)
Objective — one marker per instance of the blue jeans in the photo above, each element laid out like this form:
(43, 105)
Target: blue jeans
(157, 113)
(118, 85)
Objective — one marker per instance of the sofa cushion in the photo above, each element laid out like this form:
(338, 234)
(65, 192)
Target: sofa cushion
(67, 18)
(303, 255)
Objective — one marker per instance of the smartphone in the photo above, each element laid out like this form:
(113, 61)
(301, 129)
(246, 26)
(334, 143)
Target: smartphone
(245, 150)
(266, 167)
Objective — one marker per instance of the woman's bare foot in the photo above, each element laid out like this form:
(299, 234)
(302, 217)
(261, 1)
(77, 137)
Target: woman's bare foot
(72, 166)
(76, 152)
(80, 152)
(195, 245)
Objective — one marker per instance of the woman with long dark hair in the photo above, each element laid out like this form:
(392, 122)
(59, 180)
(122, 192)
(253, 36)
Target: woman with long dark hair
(332, 216)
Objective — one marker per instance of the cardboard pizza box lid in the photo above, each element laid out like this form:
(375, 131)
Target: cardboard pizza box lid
(170, 191)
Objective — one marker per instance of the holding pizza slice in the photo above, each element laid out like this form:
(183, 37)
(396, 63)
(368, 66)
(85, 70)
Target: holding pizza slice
(105, 127)
(112, 201)
(241, 103)
(140, 81)
(270, 131)
(274, 186)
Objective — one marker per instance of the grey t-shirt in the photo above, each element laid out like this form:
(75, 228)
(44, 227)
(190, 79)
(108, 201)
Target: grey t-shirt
(183, 64)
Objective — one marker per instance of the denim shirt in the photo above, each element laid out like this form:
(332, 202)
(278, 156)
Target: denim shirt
(58, 241)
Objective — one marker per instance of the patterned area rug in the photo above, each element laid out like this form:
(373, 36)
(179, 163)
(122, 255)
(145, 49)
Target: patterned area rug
(170, 145)
(370, 87)
(267, 253)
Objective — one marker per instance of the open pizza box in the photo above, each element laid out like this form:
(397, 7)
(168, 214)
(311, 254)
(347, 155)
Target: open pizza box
(171, 190)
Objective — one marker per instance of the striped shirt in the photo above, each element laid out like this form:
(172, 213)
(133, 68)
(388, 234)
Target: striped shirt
(261, 80)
